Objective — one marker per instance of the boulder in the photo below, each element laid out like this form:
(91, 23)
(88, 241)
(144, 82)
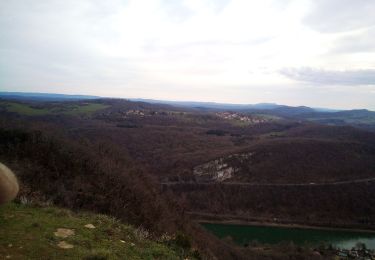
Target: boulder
(8, 184)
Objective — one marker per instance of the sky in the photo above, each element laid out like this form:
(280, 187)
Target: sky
(318, 53)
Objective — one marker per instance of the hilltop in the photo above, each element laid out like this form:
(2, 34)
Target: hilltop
(35, 232)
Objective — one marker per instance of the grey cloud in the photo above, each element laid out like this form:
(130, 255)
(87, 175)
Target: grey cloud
(184, 50)
(153, 45)
(356, 43)
(53, 42)
(330, 16)
(219, 5)
(331, 77)
(177, 11)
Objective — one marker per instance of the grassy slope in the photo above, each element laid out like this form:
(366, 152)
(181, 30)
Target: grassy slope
(86, 109)
(27, 232)
(25, 109)
(28, 110)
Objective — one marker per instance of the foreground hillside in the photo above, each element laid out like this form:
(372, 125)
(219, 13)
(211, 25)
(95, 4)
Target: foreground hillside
(31, 232)
(83, 177)
(150, 165)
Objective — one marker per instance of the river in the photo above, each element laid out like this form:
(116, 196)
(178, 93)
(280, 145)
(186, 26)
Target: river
(243, 234)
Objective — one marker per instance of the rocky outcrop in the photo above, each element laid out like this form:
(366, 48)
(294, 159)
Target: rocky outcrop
(221, 169)
(216, 171)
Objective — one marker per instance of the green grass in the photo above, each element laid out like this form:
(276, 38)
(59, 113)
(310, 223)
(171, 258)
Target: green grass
(27, 232)
(67, 109)
(25, 109)
(86, 109)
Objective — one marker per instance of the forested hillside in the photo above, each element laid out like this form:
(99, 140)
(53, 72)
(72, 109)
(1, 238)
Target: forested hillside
(147, 165)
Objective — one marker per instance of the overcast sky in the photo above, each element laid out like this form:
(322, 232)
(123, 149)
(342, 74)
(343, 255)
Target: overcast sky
(317, 53)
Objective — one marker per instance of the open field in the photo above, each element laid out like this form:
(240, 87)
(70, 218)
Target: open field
(39, 110)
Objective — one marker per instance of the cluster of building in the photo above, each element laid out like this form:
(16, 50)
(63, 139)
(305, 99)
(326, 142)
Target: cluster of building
(134, 112)
(140, 113)
(240, 117)
(127, 113)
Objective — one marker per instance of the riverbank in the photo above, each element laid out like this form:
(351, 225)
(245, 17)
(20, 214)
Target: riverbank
(276, 236)
(276, 222)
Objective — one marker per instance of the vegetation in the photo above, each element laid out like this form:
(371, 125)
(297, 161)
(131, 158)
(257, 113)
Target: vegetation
(354, 117)
(71, 175)
(31, 109)
(83, 176)
(114, 161)
(25, 109)
(85, 109)
(27, 232)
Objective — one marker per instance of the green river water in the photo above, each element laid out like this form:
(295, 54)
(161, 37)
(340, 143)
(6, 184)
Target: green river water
(243, 234)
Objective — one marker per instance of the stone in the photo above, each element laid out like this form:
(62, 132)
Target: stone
(91, 226)
(8, 184)
(64, 232)
(64, 245)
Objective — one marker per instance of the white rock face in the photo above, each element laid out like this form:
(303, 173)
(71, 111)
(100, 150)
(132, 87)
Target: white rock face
(216, 170)
(219, 170)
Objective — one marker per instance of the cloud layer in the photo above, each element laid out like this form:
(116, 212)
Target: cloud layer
(332, 16)
(212, 50)
(331, 77)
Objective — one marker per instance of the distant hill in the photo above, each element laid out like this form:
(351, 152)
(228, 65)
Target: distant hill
(267, 108)
(286, 111)
(43, 96)
(281, 109)
(359, 117)
(210, 105)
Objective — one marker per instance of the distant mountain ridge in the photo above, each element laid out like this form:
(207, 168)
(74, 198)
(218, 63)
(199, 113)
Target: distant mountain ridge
(210, 105)
(43, 96)
(362, 118)
(191, 104)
